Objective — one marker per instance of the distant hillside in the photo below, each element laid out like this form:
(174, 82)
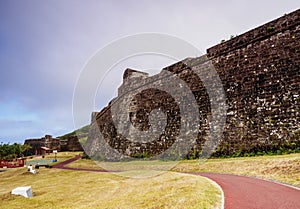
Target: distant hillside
(83, 130)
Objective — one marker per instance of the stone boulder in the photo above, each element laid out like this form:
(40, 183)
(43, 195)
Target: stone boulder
(24, 191)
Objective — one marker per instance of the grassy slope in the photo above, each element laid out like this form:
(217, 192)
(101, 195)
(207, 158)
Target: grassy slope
(53, 188)
(83, 130)
(283, 168)
(61, 156)
(73, 189)
(84, 164)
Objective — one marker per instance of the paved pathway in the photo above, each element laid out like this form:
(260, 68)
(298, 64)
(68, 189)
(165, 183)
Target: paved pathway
(251, 193)
(62, 165)
(240, 192)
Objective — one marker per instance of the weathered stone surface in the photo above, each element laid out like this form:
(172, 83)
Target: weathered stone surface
(260, 75)
(47, 141)
(259, 71)
(70, 144)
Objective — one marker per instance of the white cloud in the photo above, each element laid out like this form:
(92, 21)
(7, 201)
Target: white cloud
(44, 46)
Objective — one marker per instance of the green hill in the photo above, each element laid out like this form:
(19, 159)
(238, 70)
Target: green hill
(83, 130)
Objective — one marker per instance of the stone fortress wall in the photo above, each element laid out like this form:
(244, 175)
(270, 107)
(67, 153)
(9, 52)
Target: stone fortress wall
(260, 74)
(70, 144)
(259, 71)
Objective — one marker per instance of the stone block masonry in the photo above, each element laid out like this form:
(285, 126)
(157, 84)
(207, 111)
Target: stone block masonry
(260, 74)
(259, 71)
(70, 144)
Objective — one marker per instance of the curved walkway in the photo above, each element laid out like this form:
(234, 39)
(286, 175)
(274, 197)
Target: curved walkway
(62, 165)
(243, 192)
(240, 192)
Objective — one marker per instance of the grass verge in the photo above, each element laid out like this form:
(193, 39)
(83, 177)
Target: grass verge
(84, 164)
(48, 158)
(283, 168)
(54, 188)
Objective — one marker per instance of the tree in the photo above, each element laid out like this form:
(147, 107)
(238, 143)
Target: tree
(10, 152)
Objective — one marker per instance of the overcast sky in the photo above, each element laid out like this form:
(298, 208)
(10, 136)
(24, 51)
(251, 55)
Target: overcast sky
(44, 45)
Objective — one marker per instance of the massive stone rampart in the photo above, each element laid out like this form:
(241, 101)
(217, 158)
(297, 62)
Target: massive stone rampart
(259, 72)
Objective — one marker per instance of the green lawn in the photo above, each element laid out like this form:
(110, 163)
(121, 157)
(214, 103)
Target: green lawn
(137, 168)
(60, 156)
(54, 188)
(283, 168)
(84, 164)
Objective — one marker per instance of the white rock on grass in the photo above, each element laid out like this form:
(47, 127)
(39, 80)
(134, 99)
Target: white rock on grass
(23, 191)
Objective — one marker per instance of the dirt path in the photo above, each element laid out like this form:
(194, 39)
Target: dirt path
(251, 193)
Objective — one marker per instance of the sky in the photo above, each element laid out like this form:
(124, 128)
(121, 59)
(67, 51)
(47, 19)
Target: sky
(44, 45)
